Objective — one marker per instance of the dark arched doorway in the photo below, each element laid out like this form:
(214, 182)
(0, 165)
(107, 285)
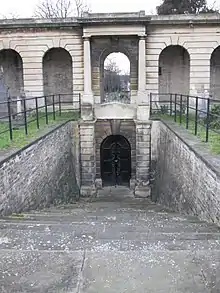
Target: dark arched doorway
(115, 153)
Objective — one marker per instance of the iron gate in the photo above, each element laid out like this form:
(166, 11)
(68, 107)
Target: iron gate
(115, 161)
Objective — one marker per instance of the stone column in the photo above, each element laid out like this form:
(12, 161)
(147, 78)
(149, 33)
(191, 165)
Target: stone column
(143, 154)
(87, 155)
(87, 99)
(142, 98)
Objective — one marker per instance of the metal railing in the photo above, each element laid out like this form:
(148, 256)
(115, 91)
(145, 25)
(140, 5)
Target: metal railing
(20, 113)
(196, 113)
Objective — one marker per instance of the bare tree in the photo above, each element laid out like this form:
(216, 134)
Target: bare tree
(60, 8)
(111, 65)
(11, 15)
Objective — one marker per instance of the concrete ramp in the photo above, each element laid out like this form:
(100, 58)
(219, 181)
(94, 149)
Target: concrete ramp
(108, 245)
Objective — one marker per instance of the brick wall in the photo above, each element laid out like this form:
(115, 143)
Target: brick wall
(40, 174)
(187, 176)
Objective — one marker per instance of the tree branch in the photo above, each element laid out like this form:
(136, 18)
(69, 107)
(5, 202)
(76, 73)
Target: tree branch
(60, 8)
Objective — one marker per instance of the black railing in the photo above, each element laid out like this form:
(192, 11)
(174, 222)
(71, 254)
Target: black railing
(199, 114)
(24, 114)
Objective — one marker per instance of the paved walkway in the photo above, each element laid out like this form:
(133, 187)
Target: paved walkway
(113, 244)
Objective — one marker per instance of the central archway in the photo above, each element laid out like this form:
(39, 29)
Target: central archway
(115, 78)
(115, 159)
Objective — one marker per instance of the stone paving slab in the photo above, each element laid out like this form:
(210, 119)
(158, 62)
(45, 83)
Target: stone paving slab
(148, 272)
(108, 245)
(45, 271)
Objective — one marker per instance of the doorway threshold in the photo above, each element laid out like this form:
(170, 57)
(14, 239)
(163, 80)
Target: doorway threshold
(115, 191)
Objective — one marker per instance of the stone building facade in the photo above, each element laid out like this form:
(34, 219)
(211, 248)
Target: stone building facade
(168, 54)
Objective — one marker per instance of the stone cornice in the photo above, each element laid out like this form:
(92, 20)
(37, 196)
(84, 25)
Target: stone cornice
(111, 19)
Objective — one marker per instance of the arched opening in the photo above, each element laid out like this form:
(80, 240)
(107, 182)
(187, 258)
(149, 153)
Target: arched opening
(215, 73)
(116, 78)
(58, 73)
(115, 161)
(11, 73)
(174, 70)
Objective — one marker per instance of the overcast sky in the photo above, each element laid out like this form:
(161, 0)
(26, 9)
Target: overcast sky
(25, 8)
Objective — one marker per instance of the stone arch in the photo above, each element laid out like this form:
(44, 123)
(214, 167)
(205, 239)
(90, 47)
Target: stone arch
(174, 70)
(101, 47)
(215, 73)
(11, 73)
(58, 73)
(115, 158)
(103, 84)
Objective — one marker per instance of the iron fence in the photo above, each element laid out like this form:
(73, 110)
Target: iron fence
(192, 111)
(20, 113)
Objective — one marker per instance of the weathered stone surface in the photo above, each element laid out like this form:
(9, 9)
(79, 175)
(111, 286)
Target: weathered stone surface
(143, 138)
(113, 244)
(186, 174)
(88, 157)
(42, 173)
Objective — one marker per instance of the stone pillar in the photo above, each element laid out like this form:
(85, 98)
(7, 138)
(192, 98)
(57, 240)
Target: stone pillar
(142, 97)
(143, 109)
(87, 155)
(143, 154)
(87, 99)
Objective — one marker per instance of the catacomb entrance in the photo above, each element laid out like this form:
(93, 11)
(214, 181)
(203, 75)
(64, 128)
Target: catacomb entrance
(115, 155)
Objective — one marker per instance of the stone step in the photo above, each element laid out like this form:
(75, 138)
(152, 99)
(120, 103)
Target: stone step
(106, 242)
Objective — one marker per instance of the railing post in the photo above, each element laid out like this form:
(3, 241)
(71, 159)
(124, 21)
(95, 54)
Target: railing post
(196, 116)
(207, 120)
(45, 101)
(171, 104)
(37, 113)
(9, 118)
(181, 106)
(187, 112)
(150, 104)
(59, 105)
(54, 114)
(25, 117)
(175, 108)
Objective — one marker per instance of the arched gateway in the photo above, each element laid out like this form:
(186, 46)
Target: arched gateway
(115, 158)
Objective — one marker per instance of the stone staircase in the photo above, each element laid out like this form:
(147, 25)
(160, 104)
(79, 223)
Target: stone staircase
(112, 243)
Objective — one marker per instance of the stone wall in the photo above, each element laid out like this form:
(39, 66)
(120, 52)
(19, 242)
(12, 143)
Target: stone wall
(87, 158)
(200, 42)
(42, 173)
(32, 45)
(186, 176)
(33, 40)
